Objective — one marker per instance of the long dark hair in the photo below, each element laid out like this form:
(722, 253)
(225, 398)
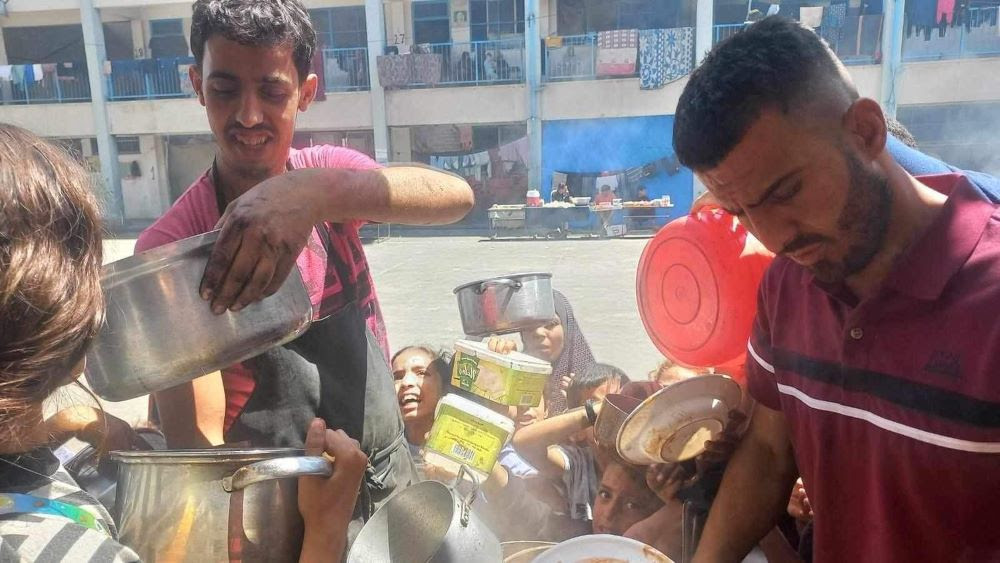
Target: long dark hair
(51, 303)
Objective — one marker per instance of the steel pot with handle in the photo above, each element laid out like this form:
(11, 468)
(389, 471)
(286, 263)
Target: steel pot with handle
(428, 523)
(213, 505)
(507, 304)
(159, 332)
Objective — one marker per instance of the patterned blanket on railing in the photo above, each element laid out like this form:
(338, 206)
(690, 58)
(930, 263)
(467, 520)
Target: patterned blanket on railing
(617, 52)
(394, 71)
(398, 71)
(664, 56)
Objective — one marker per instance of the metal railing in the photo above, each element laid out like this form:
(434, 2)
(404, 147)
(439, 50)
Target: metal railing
(46, 84)
(346, 69)
(724, 31)
(149, 79)
(977, 35)
(474, 63)
(573, 57)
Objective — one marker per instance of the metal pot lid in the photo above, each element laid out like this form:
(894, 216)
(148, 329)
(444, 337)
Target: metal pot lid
(204, 456)
(521, 277)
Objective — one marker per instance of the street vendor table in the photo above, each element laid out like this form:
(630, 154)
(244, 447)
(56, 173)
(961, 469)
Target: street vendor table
(548, 221)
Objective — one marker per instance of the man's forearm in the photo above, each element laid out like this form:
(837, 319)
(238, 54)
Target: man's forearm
(754, 491)
(410, 194)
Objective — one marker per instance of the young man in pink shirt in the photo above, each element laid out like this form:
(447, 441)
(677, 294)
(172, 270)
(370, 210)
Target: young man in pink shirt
(280, 208)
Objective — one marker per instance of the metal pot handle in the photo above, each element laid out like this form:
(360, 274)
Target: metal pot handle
(469, 498)
(513, 284)
(279, 468)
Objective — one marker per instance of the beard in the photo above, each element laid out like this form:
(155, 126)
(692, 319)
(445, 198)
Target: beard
(864, 222)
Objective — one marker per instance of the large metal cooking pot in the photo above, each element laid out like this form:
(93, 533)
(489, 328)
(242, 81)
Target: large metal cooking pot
(427, 523)
(98, 475)
(159, 333)
(213, 505)
(507, 304)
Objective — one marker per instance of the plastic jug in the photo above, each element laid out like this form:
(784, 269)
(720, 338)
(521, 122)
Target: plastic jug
(534, 198)
(697, 289)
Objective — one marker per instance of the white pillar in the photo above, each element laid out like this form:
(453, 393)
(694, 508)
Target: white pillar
(533, 86)
(892, 55)
(375, 26)
(93, 42)
(704, 31)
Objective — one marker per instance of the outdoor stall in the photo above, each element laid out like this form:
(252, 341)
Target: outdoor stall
(582, 219)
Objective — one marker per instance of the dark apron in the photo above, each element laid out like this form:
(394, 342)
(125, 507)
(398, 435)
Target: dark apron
(335, 371)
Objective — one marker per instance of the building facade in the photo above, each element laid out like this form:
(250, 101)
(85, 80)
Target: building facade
(512, 94)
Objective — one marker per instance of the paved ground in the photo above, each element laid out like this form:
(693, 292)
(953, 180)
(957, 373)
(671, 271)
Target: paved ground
(415, 278)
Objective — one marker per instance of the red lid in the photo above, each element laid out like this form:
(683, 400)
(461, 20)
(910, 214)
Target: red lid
(697, 288)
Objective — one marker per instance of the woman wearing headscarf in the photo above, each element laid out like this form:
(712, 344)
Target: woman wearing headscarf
(559, 342)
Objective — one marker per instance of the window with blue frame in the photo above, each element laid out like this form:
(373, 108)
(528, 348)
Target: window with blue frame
(431, 21)
(340, 28)
(648, 14)
(576, 17)
(496, 19)
(166, 39)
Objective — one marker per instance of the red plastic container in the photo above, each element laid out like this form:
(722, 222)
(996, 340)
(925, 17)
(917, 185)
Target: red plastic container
(697, 289)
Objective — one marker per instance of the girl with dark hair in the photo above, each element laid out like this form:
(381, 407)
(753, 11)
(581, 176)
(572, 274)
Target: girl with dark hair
(561, 343)
(51, 307)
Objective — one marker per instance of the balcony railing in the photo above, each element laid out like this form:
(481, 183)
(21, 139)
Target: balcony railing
(473, 63)
(725, 31)
(978, 35)
(150, 79)
(857, 41)
(46, 84)
(346, 70)
(573, 57)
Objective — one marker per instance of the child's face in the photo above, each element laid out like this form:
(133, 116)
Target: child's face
(622, 501)
(545, 342)
(526, 416)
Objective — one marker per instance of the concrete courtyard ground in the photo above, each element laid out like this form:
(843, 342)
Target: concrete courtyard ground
(415, 277)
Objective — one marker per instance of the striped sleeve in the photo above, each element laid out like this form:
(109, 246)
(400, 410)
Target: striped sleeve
(761, 380)
(30, 537)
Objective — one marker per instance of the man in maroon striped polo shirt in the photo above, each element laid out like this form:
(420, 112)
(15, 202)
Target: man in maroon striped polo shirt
(875, 356)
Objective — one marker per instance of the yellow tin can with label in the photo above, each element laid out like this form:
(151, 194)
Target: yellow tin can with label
(465, 433)
(513, 379)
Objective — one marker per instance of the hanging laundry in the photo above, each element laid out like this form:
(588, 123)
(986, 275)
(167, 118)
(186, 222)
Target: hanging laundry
(773, 10)
(945, 11)
(617, 52)
(465, 136)
(394, 71)
(811, 17)
(5, 72)
(518, 151)
(664, 56)
(921, 17)
(38, 72)
(17, 74)
(426, 68)
(29, 73)
(832, 28)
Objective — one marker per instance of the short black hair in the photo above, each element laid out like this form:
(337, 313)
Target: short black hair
(594, 377)
(774, 63)
(256, 23)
